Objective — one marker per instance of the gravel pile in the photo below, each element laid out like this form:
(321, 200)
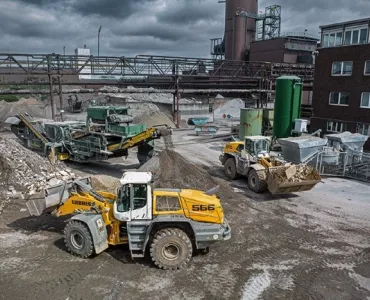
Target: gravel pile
(171, 170)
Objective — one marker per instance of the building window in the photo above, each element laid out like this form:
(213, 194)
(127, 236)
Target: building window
(339, 98)
(355, 36)
(342, 68)
(334, 126)
(363, 129)
(367, 67)
(365, 100)
(332, 39)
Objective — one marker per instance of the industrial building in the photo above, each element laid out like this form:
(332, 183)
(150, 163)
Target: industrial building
(341, 99)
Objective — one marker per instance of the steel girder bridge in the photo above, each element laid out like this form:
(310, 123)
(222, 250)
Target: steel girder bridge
(170, 73)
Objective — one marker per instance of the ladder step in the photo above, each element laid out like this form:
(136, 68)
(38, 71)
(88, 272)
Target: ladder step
(137, 255)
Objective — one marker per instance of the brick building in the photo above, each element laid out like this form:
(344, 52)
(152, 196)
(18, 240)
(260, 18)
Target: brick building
(341, 98)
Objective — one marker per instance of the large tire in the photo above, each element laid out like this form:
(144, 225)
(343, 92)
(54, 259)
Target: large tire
(257, 181)
(171, 249)
(230, 168)
(78, 240)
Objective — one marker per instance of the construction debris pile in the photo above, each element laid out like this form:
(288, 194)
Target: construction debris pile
(294, 173)
(24, 173)
(171, 170)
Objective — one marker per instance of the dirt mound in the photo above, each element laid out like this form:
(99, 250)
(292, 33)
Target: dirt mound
(154, 119)
(171, 170)
(30, 105)
(231, 107)
(149, 114)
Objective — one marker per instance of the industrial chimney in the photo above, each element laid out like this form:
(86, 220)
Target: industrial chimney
(239, 31)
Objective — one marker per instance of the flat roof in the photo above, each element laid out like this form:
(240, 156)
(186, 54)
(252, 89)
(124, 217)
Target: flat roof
(345, 23)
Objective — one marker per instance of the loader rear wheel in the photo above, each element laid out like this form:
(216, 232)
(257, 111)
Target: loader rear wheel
(171, 249)
(257, 181)
(230, 169)
(78, 240)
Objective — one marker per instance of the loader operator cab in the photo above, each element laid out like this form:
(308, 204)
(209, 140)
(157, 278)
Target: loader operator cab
(134, 198)
(255, 147)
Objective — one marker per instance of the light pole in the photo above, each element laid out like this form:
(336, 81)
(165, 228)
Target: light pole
(64, 50)
(99, 40)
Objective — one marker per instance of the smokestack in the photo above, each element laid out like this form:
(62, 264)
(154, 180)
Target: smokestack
(239, 31)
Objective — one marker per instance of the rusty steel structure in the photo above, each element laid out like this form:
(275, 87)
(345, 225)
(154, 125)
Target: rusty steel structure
(33, 67)
(178, 75)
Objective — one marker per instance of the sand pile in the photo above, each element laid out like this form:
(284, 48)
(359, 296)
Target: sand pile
(149, 114)
(25, 172)
(171, 170)
(30, 105)
(231, 107)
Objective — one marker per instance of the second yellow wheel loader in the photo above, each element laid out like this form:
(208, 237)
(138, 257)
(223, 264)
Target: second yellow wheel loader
(251, 158)
(168, 223)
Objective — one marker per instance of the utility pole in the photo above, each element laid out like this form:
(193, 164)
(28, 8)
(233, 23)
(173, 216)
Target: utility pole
(64, 50)
(51, 88)
(99, 40)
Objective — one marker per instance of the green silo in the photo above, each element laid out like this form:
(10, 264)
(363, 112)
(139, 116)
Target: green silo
(250, 122)
(287, 105)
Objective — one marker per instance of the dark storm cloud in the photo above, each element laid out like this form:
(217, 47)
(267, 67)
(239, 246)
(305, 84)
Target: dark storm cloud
(186, 12)
(130, 27)
(108, 8)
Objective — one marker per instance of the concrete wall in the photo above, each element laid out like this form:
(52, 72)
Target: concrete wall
(195, 111)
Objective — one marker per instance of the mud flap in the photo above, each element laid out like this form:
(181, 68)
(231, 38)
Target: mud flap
(97, 228)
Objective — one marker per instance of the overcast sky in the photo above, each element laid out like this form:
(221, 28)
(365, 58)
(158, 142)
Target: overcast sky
(158, 27)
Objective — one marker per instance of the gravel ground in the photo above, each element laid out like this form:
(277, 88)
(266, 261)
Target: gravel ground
(314, 245)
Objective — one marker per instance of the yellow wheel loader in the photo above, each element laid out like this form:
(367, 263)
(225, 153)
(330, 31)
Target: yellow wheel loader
(251, 159)
(167, 223)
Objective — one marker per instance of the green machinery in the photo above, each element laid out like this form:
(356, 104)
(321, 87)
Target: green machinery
(107, 132)
(287, 105)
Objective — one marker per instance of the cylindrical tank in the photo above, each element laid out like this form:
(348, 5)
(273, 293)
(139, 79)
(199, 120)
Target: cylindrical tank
(287, 105)
(239, 32)
(268, 121)
(250, 122)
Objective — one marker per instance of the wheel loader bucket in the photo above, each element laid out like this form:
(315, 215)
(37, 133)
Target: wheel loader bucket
(292, 179)
(52, 197)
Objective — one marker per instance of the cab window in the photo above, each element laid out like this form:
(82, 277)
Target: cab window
(140, 196)
(123, 201)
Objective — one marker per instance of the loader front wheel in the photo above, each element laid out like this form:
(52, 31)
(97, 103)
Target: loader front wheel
(257, 181)
(171, 249)
(230, 169)
(78, 240)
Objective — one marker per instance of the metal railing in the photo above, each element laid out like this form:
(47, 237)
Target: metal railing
(350, 164)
